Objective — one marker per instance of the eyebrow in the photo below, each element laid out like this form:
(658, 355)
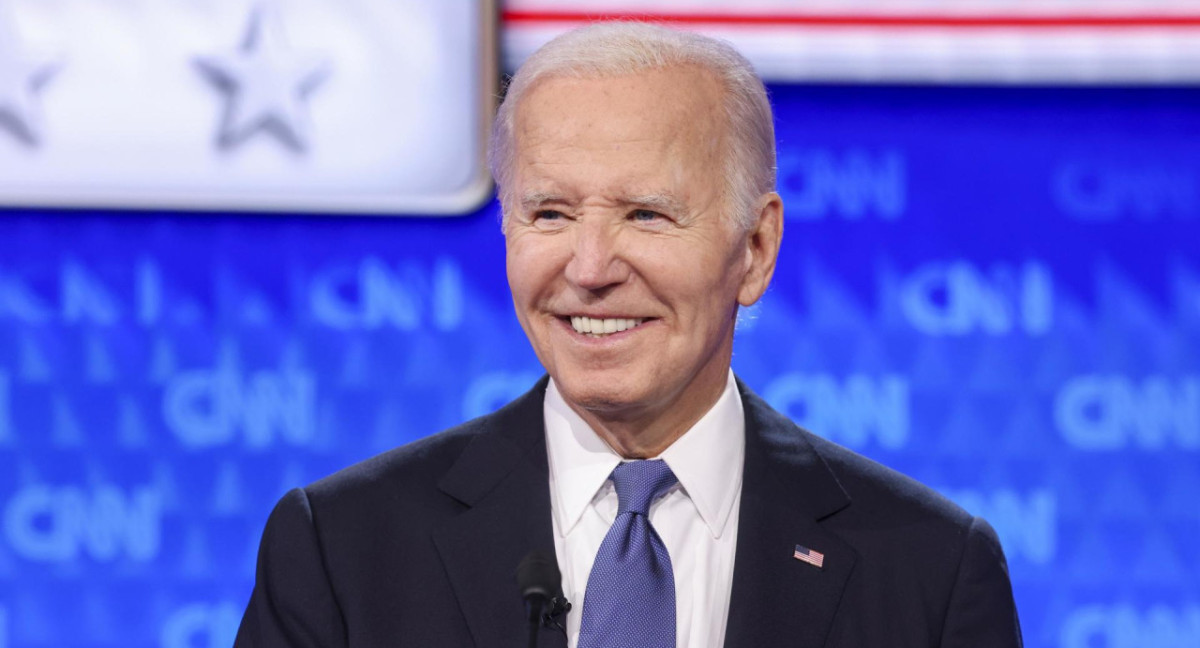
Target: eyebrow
(659, 202)
(536, 199)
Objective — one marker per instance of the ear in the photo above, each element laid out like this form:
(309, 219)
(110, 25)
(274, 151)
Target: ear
(762, 248)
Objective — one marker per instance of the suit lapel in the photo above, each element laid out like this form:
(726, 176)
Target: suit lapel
(778, 600)
(503, 478)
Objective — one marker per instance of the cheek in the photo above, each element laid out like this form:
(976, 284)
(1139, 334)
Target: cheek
(705, 272)
(704, 292)
(521, 286)
(532, 263)
(512, 266)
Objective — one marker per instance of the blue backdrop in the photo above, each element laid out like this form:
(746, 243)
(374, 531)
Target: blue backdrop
(994, 290)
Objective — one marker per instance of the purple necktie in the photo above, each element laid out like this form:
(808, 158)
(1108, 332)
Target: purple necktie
(630, 597)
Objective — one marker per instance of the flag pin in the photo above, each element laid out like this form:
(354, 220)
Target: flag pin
(814, 558)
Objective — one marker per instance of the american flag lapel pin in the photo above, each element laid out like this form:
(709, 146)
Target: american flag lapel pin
(814, 558)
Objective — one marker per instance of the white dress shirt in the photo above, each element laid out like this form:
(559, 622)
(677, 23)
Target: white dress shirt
(697, 519)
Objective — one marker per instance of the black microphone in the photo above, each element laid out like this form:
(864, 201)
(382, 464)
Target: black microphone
(540, 583)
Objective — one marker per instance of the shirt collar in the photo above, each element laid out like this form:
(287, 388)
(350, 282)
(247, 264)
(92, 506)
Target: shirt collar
(707, 460)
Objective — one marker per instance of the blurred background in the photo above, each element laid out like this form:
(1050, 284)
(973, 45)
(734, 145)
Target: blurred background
(244, 244)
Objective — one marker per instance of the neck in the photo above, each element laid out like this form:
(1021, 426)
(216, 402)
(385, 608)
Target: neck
(647, 433)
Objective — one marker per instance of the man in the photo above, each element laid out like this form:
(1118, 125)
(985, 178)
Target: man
(635, 167)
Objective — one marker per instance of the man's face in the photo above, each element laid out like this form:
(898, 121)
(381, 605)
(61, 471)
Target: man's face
(625, 270)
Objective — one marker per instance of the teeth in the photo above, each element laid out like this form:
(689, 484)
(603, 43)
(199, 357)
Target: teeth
(593, 326)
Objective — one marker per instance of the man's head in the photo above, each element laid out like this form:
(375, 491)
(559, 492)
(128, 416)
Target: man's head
(625, 48)
(639, 214)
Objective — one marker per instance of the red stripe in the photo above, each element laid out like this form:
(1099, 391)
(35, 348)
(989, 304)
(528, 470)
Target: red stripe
(863, 20)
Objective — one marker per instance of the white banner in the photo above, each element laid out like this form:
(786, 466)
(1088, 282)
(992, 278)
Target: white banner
(377, 106)
(988, 41)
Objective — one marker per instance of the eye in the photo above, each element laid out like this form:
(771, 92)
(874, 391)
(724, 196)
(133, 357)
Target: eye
(548, 214)
(548, 219)
(645, 215)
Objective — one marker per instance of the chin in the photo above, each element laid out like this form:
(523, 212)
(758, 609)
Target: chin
(599, 394)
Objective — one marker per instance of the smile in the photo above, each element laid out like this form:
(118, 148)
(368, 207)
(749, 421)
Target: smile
(601, 327)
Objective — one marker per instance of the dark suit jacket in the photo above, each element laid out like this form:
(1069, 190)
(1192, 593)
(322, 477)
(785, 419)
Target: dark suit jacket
(419, 546)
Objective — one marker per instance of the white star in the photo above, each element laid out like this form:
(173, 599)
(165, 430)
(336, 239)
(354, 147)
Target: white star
(265, 83)
(22, 73)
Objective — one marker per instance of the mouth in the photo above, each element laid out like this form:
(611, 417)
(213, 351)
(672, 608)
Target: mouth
(597, 327)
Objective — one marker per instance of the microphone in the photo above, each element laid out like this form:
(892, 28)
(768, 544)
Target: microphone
(540, 583)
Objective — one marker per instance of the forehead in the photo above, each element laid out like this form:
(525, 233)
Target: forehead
(624, 128)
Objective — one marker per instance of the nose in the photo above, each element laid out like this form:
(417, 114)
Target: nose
(596, 259)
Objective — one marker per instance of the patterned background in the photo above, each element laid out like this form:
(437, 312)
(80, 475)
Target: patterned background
(995, 290)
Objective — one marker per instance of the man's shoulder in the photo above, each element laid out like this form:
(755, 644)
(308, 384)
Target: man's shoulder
(417, 462)
(891, 515)
(923, 568)
(882, 493)
(408, 471)
(872, 490)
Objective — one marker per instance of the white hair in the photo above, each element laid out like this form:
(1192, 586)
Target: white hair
(610, 49)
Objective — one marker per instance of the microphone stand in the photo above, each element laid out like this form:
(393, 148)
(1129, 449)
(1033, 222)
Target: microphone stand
(535, 621)
(541, 587)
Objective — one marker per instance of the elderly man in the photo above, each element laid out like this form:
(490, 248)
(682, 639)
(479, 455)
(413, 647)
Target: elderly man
(635, 167)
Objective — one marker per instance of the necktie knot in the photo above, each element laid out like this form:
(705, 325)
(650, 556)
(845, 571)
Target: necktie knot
(639, 483)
